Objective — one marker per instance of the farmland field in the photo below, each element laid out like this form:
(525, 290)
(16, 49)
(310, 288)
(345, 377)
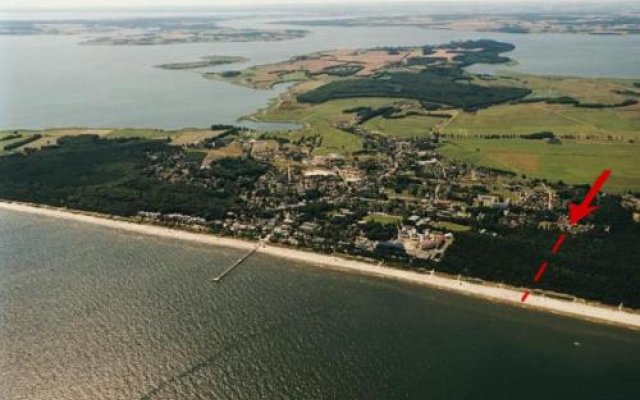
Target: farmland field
(384, 219)
(49, 137)
(193, 136)
(407, 127)
(522, 119)
(585, 90)
(320, 119)
(572, 161)
(451, 226)
(139, 133)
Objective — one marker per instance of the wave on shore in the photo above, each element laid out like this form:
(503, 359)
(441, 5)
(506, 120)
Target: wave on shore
(499, 293)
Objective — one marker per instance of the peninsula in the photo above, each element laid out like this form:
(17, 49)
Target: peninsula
(207, 61)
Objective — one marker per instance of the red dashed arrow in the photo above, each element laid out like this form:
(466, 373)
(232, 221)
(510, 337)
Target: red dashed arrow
(576, 213)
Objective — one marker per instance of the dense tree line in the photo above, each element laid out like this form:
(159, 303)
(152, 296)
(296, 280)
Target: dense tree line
(425, 61)
(467, 58)
(342, 70)
(487, 45)
(627, 92)
(539, 135)
(576, 103)
(426, 86)
(10, 137)
(596, 266)
(377, 231)
(113, 177)
(18, 143)
(624, 103)
(364, 114)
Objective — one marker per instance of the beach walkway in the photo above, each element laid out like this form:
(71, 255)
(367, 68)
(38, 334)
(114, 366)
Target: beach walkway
(239, 261)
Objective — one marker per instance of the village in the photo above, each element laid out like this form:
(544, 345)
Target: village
(398, 200)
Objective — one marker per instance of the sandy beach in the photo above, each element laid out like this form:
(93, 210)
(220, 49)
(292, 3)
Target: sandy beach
(504, 294)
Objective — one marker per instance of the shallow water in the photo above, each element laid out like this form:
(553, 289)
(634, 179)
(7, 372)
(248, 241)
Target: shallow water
(91, 313)
(51, 81)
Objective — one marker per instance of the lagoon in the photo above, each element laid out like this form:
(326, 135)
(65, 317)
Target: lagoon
(52, 81)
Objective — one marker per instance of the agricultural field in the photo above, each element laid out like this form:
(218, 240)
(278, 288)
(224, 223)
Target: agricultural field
(384, 219)
(139, 133)
(586, 90)
(294, 76)
(576, 162)
(320, 120)
(408, 127)
(451, 226)
(561, 119)
(321, 66)
(232, 151)
(48, 137)
(178, 137)
(193, 136)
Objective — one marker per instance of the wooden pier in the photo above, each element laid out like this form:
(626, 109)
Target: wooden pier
(242, 259)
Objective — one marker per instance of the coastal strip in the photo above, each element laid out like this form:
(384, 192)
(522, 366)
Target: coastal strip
(503, 294)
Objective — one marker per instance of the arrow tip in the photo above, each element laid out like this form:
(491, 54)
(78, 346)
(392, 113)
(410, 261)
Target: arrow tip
(579, 211)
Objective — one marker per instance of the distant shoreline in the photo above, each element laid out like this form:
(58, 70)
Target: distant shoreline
(503, 294)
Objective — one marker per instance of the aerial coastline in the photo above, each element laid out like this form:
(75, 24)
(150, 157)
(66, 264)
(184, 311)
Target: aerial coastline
(367, 200)
(475, 288)
(378, 165)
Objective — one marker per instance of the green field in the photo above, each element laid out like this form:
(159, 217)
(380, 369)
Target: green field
(571, 162)
(451, 226)
(51, 137)
(294, 76)
(407, 127)
(561, 119)
(383, 219)
(6, 142)
(585, 90)
(320, 119)
(139, 133)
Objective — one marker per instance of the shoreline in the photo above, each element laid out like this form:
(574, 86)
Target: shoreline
(503, 294)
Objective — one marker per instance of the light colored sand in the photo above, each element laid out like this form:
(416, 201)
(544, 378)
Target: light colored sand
(193, 136)
(233, 150)
(502, 294)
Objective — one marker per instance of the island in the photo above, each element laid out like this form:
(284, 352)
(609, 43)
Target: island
(207, 61)
(179, 37)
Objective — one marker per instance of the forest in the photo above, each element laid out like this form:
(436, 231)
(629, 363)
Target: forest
(429, 86)
(116, 177)
(598, 266)
(438, 82)
(490, 53)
